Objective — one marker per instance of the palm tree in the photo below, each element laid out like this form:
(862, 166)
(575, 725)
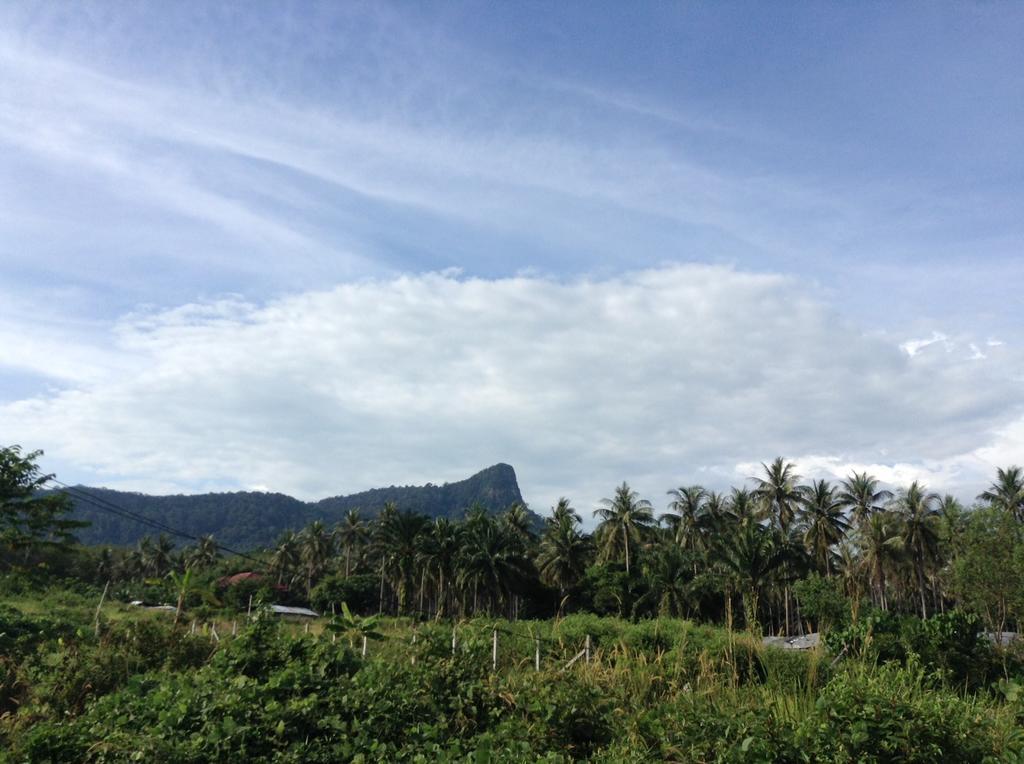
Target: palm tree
(669, 577)
(351, 534)
(156, 555)
(823, 521)
(780, 494)
(517, 521)
(380, 532)
(402, 543)
(624, 520)
(563, 509)
(286, 557)
(1007, 492)
(316, 546)
(880, 546)
(204, 554)
(489, 563)
(779, 491)
(686, 514)
(919, 512)
(438, 553)
(862, 496)
(752, 556)
(563, 555)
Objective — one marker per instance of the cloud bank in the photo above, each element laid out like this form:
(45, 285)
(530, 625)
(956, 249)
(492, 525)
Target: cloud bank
(659, 377)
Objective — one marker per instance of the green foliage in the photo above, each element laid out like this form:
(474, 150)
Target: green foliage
(359, 591)
(823, 602)
(951, 643)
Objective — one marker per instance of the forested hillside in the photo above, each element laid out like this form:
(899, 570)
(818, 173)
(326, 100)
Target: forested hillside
(248, 519)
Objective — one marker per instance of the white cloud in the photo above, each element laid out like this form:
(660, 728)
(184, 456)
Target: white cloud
(657, 377)
(913, 347)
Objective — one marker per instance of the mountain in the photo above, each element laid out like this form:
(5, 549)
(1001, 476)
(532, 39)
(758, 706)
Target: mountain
(247, 519)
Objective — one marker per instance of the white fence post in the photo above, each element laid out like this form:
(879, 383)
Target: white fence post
(494, 650)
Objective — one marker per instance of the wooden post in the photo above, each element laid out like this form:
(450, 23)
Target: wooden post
(413, 661)
(305, 628)
(100, 607)
(536, 653)
(234, 628)
(453, 640)
(332, 609)
(586, 649)
(248, 613)
(193, 626)
(494, 650)
(213, 632)
(364, 645)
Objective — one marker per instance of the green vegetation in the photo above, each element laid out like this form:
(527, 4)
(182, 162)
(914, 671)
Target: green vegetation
(483, 640)
(248, 519)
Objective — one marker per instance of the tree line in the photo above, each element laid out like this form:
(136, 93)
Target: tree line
(778, 554)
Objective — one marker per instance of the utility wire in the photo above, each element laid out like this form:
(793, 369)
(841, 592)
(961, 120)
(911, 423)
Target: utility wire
(108, 506)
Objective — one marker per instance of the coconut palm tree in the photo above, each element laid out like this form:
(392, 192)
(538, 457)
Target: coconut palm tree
(919, 512)
(752, 555)
(824, 524)
(779, 491)
(203, 555)
(1007, 492)
(669, 576)
(402, 542)
(285, 558)
(880, 547)
(351, 533)
(686, 513)
(781, 494)
(316, 546)
(489, 564)
(379, 534)
(563, 555)
(563, 509)
(438, 554)
(625, 520)
(861, 495)
(156, 555)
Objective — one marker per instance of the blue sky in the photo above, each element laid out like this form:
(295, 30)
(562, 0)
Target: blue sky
(814, 209)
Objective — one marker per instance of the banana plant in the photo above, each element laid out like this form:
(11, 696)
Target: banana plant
(353, 626)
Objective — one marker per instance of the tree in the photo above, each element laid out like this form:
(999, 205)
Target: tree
(204, 554)
(687, 516)
(780, 494)
(563, 555)
(625, 520)
(823, 522)
(752, 556)
(669, 575)
(880, 546)
(862, 496)
(155, 556)
(185, 585)
(286, 557)
(315, 548)
(987, 576)
(919, 513)
(490, 562)
(1007, 492)
(31, 520)
(351, 534)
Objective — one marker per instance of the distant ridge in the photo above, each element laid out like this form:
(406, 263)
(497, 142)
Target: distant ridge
(248, 519)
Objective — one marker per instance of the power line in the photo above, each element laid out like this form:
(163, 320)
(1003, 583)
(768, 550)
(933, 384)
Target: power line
(105, 504)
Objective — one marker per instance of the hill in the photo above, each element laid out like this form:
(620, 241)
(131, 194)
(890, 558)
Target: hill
(248, 519)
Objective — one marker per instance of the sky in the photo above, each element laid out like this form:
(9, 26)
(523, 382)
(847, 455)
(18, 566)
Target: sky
(318, 248)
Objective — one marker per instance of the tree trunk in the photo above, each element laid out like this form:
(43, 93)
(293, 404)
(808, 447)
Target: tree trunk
(625, 538)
